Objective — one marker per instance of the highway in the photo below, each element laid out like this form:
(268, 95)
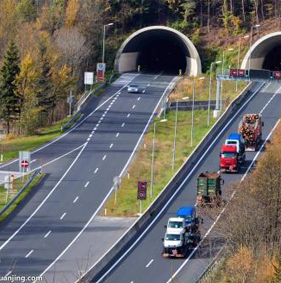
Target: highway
(142, 262)
(80, 167)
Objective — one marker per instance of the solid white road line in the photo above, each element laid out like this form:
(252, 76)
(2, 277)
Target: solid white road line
(134, 106)
(61, 218)
(76, 199)
(29, 253)
(34, 160)
(176, 191)
(111, 145)
(149, 263)
(87, 184)
(270, 100)
(128, 115)
(74, 128)
(104, 157)
(8, 273)
(47, 234)
(123, 125)
(97, 169)
(117, 135)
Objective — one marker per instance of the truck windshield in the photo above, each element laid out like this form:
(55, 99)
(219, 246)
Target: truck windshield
(172, 237)
(175, 224)
(228, 155)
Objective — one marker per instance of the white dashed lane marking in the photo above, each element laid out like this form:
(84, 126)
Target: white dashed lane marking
(87, 184)
(97, 169)
(48, 234)
(61, 218)
(111, 145)
(104, 157)
(76, 199)
(117, 135)
(29, 253)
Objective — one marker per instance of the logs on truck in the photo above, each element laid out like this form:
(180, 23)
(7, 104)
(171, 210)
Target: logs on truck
(251, 130)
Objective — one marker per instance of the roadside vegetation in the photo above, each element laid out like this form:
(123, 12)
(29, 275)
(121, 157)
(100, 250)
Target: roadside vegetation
(7, 195)
(251, 224)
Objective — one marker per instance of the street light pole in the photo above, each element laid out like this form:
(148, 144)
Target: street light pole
(175, 136)
(210, 91)
(223, 62)
(238, 59)
(103, 41)
(152, 157)
(251, 40)
(192, 111)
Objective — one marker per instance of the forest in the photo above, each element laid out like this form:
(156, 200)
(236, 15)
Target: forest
(46, 45)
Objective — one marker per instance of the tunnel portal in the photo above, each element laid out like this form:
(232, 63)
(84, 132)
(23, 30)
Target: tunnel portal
(156, 49)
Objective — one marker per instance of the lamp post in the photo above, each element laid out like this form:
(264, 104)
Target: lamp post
(176, 130)
(103, 40)
(256, 26)
(223, 62)
(192, 111)
(210, 90)
(152, 156)
(238, 57)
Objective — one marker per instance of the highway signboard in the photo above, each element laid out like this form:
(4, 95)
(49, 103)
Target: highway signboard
(142, 189)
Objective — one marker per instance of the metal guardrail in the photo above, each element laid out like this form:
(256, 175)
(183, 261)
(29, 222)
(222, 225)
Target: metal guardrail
(212, 265)
(22, 190)
(73, 118)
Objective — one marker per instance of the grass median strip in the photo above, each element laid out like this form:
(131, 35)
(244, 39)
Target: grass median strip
(7, 196)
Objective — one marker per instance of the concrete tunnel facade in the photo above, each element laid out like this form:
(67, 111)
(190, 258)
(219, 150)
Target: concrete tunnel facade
(158, 48)
(265, 53)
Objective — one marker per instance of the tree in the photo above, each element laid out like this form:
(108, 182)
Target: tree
(27, 10)
(72, 45)
(9, 99)
(71, 13)
(28, 89)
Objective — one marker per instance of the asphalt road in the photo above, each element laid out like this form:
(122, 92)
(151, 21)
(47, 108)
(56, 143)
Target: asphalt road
(143, 262)
(80, 167)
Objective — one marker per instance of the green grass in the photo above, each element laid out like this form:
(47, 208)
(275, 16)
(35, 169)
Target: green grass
(127, 203)
(18, 184)
(184, 89)
(10, 147)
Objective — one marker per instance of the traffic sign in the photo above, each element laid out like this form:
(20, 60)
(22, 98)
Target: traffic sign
(142, 189)
(24, 156)
(24, 163)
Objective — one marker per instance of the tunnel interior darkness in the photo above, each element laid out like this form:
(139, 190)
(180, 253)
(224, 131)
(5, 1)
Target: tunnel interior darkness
(272, 60)
(159, 50)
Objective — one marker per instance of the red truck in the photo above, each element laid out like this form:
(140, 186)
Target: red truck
(229, 159)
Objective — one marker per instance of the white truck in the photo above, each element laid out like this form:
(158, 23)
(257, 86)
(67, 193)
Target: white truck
(182, 233)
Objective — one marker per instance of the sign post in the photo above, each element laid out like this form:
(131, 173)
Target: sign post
(24, 161)
(116, 184)
(100, 72)
(142, 193)
(88, 79)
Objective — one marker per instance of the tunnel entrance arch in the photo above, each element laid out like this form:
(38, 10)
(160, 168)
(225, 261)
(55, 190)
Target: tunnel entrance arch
(158, 48)
(265, 53)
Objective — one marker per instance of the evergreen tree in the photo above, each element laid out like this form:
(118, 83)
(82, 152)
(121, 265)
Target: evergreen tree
(9, 99)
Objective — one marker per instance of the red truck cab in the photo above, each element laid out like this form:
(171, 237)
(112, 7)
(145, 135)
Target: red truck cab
(229, 159)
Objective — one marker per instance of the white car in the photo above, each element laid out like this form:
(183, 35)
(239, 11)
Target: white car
(133, 88)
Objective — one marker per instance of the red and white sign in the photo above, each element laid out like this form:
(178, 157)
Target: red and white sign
(24, 163)
(277, 75)
(100, 72)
